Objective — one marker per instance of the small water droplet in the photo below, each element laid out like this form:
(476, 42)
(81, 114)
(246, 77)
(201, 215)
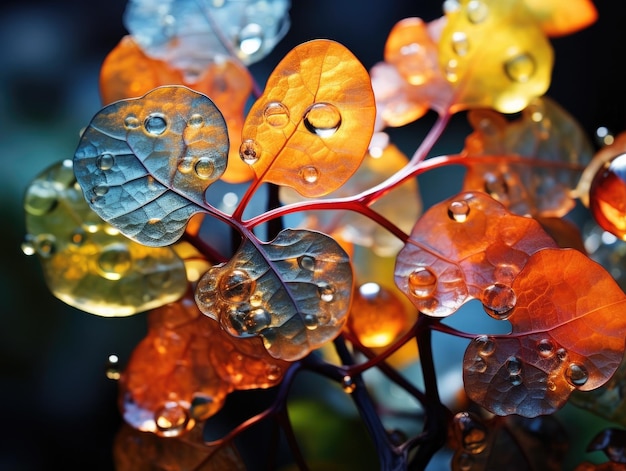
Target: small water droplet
(250, 39)
(276, 115)
(114, 261)
(520, 68)
(513, 366)
(257, 320)
(460, 43)
(422, 282)
(322, 119)
(310, 321)
(479, 365)
(204, 168)
(451, 70)
(306, 262)
(458, 211)
(202, 406)
(112, 369)
(505, 273)
(41, 198)
(515, 380)
(45, 245)
(326, 292)
(236, 286)
(256, 299)
(171, 420)
(485, 345)
(477, 11)
(105, 162)
(155, 124)
(196, 120)
(250, 151)
(545, 348)
(28, 246)
(131, 122)
(576, 374)
(273, 372)
(310, 174)
(561, 354)
(185, 165)
(499, 301)
(100, 190)
(348, 384)
(551, 385)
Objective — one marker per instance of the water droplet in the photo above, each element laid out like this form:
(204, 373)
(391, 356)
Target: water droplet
(422, 282)
(465, 462)
(114, 261)
(561, 354)
(520, 68)
(505, 273)
(499, 301)
(458, 211)
(310, 321)
(306, 262)
(236, 286)
(473, 433)
(477, 11)
(551, 385)
(105, 162)
(460, 43)
(204, 168)
(479, 365)
(28, 246)
(250, 39)
(196, 120)
(576, 374)
(185, 165)
(485, 345)
(171, 420)
(202, 406)
(155, 124)
(112, 369)
(451, 70)
(257, 320)
(322, 119)
(276, 115)
(515, 380)
(45, 245)
(513, 366)
(310, 174)
(326, 292)
(100, 190)
(545, 348)
(606, 199)
(131, 122)
(41, 198)
(250, 151)
(348, 384)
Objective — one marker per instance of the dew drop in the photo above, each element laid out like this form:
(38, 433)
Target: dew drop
(515, 380)
(458, 211)
(131, 122)
(520, 68)
(250, 39)
(477, 11)
(545, 348)
(348, 384)
(479, 365)
(460, 43)
(196, 120)
(250, 151)
(422, 282)
(202, 406)
(451, 70)
(607, 197)
(112, 369)
(105, 162)
(310, 321)
(100, 190)
(155, 124)
(322, 119)
(185, 165)
(257, 320)
(114, 261)
(485, 345)
(561, 354)
(204, 168)
(273, 372)
(499, 301)
(45, 245)
(236, 286)
(514, 366)
(171, 420)
(41, 198)
(276, 115)
(576, 374)
(28, 246)
(310, 174)
(551, 385)
(306, 262)
(326, 292)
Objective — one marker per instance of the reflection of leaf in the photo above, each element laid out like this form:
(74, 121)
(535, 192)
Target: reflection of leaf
(294, 292)
(86, 262)
(568, 333)
(467, 247)
(311, 128)
(144, 164)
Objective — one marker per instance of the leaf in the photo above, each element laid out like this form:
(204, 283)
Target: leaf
(568, 333)
(467, 247)
(127, 72)
(144, 164)
(294, 292)
(86, 262)
(609, 466)
(612, 441)
(563, 17)
(311, 128)
(495, 54)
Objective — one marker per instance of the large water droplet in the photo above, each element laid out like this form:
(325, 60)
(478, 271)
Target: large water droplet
(105, 162)
(155, 124)
(257, 320)
(41, 198)
(326, 292)
(458, 211)
(171, 420)
(514, 366)
(485, 345)
(100, 190)
(204, 168)
(520, 68)
(196, 120)
(545, 348)
(422, 282)
(451, 70)
(131, 122)
(114, 262)
(310, 174)
(250, 151)
(322, 119)
(185, 165)
(276, 115)
(310, 321)
(576, 374)
(273, 372)
(250, 39)
(477, 11)
(306, 262)
(236, 286)
(499, 301)
(479, 365)
(460, 43)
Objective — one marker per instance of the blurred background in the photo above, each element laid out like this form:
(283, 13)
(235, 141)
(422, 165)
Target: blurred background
(58, 405)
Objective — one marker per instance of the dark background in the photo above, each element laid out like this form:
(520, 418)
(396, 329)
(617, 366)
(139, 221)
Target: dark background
(56, 404)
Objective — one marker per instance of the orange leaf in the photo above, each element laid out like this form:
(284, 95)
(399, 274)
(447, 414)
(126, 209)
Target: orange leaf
(568, 333)
(311, 128)
(563, 17)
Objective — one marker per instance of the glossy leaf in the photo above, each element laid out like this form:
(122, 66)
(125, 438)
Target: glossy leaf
(127, 72)
(568, 333)
(144, 164)
(181, 372)
(311, 128)
(562, 17)
(86, 262)
(467, 247)
(495, 54)
(294, 292)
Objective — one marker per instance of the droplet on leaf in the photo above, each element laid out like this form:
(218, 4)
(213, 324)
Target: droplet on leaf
(326, 292)
(477, 11)
(514, 366)
(155, 124)
(520, 68)
(131, 122)
(310, 174)
(576, 374)
(322, 119)
(499, 300)
(276, 114)
(114, 261)
(172, 420)
(204, 168)
(485, 345)
(422, 282)
(236, 286)
(306, 263)
(458, 211)
(250, 151)
(195, 121)
(105, 162)
(545, 348)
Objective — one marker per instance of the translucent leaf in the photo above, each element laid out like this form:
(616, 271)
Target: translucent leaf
(294, 292)
(189, 34)
(562, 17)
(311, 128)
(467, 247)
(544, 131)
(134, 450)
(495, 54)
(181, 372)
(568, 333)
(86, 262)
(127, 72)
(144, 164)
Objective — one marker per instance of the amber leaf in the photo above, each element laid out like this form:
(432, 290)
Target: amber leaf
(567, 333)
(562, 17)
(144, 164)
(467, 247)
(86, 262)
(311, 128)
(294, 292)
